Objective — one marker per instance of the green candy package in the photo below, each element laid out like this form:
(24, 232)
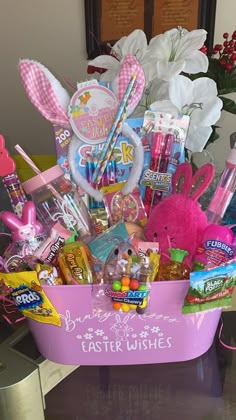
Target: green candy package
(210, 289)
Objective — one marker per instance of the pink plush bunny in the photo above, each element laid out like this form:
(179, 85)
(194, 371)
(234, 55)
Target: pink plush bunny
(25, 228)
(178, 221)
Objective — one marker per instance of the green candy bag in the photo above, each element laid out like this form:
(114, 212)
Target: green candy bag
(210, 289)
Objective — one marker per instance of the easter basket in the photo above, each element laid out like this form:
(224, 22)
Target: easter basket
(114, 338)
(128, 167)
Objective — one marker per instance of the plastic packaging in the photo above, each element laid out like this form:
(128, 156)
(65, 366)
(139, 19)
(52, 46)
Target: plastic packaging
(57, 200)
(15, 192)
(127, 207)
(166, 135)
(48, 275)
(49, 249)
(210, 289)
(224, 191)
(30, 298)
(126, 282)
(217, 246)
(175, 269)
(75, 263)
(27, 234)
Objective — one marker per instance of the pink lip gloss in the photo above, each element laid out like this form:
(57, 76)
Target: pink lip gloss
(165, 156)
(154, 167)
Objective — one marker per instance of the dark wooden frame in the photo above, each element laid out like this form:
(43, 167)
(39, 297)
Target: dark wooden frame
(207, 11)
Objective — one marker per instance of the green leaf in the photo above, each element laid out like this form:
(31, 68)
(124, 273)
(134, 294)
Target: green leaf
(225, 80)
(225, 91)
(228, 105)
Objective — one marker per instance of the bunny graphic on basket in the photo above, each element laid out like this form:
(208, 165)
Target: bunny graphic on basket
(54, 103)
(69, 323)
(178, 220)
(121, 329)
(24, 230)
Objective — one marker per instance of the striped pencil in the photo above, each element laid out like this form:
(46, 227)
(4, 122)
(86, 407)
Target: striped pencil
(114, 132)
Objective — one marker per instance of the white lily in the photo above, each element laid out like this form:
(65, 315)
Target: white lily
(199, 100)
(177, 51)
(134, 44)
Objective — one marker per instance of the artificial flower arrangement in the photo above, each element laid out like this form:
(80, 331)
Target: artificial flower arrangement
(136, 227)
(173, 62)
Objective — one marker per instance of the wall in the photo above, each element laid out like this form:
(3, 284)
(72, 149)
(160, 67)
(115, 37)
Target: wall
(53, 32)
(225, 22)
(49, 31)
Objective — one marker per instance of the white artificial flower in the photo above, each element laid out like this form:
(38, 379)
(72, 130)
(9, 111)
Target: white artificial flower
(134, 44)
(199, 100)
(177, 51)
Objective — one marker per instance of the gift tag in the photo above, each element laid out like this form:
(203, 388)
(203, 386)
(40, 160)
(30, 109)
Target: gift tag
(91, 111)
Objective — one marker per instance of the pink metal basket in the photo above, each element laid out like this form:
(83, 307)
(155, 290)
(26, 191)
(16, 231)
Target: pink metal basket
(114, 338)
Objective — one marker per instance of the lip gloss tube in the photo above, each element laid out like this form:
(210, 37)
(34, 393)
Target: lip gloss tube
(154, 167)
(165, 156)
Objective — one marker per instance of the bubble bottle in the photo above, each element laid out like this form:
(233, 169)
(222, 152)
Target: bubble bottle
(57, 200)
(175, 269)
(217, 245)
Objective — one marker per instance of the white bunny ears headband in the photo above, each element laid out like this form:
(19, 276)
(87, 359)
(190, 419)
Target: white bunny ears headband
(53, 101)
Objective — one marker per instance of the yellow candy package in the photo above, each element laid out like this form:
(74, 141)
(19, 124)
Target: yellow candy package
(29, 297)
(75, 263)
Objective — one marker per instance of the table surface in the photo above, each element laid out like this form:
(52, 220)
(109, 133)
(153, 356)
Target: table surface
(204, 388)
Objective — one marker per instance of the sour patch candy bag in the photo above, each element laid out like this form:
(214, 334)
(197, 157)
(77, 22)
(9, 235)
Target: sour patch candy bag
(210, 289)
(30, 298)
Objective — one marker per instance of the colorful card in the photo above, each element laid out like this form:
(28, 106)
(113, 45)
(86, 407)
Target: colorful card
(103, 244)
(91, 111)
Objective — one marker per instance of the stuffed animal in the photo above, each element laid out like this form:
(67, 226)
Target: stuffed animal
(178, 220)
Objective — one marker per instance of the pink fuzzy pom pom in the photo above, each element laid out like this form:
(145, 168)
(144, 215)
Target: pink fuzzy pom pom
(178, 222)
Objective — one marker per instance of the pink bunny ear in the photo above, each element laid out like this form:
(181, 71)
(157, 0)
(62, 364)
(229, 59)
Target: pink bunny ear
(11, 220)
(29, 216)
(130, 66)
(201, 180)
(45, 92)
(192, 186)
(182, 179)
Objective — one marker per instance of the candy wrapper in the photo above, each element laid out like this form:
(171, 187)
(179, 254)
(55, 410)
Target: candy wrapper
(29, 297)
(18, 251)
(49, 249)
(128, 207)
(48, 275)
(126, 282)
(101, 246)
(75, 263)
(99, 216)
(210, 289)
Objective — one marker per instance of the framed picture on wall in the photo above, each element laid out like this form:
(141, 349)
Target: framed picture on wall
(109, 20)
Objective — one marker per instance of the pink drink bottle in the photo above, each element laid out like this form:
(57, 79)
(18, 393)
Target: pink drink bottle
(224, 191)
